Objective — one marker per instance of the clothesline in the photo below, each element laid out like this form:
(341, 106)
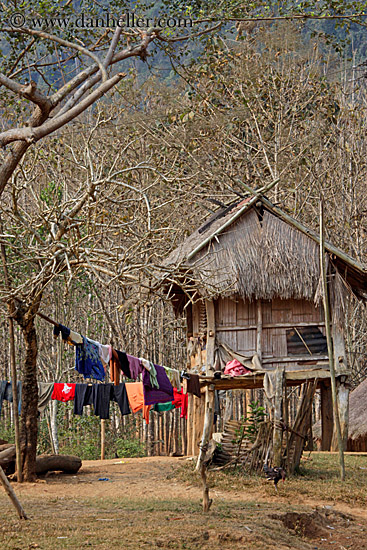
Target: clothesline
(129, 397)
(88, 350)
(154, 385)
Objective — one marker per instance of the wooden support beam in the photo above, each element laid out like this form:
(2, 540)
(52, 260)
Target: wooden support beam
(210, 336)
(272, 325)
(103, 438)
(9, 490)
(207, 502)
(259, 328)
(343, 407)
(330, 342)
(207, 431)
(278, 417)
(340, 356)
(208, 424)
(326, 417)
(255, 381)
(295, 359)
(190, 410)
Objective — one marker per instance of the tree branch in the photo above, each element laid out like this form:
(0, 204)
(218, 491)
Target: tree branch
(31, 135)
(29, 91)
(62, 42)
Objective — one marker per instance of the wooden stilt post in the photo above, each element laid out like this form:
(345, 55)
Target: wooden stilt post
(103, 438)
(342, 392)
(259, 328)
(326, 417)
(278, 417)
(210, 336)
(330, 343)
(9, 489)
(208, 425)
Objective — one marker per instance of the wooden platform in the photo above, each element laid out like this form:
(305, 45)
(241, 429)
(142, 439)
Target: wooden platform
(256, 380)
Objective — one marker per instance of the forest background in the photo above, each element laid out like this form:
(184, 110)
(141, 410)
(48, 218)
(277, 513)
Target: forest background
(90, 212)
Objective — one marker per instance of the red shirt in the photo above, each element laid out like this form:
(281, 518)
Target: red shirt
(63, 392)
(180, 400)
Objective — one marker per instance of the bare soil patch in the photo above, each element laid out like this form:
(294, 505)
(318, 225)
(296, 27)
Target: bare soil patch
(146, 503)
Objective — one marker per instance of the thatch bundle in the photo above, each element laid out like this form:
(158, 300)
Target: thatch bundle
(253, 258)
(257, 251)
(357, 433)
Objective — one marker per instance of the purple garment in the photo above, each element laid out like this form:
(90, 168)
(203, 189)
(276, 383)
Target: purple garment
(152, 395)
(135, 366)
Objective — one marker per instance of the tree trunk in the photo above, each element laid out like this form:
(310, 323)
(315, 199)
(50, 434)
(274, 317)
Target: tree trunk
(28, 431)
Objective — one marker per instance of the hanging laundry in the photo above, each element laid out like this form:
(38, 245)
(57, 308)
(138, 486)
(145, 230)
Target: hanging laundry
(181, 401)
(153, 395)
(193, 385)
(124, 363)
(6, 392)
(174, 377)
(135, 365)
(65, 331)
(135, 396)
(101, 397)
(184, 406)
(149, 366)
(153, 376)
(163, 407)
(87, 360)
(45, 390)
(120, 397)
(118, 363)
(63, 392)
(105, 354)
(115, 368)
(83, 397)
(75, 338)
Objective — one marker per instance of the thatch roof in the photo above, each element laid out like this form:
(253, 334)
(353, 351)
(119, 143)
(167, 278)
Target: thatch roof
(358, 412)
(255, 250)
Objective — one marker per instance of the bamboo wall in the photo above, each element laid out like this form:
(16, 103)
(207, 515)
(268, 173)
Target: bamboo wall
(236, 325)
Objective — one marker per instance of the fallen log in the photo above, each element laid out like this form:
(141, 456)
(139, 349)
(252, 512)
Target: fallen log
(7, 455)
(53, 463)
(44, 463)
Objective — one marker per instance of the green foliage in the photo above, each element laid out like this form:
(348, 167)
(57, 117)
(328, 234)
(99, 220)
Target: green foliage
(6, 432)
(251, 424)
(126, 448)
(80, 436)
(256, 416)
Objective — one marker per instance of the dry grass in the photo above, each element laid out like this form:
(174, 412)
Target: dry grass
(318, 479)
(70, 514)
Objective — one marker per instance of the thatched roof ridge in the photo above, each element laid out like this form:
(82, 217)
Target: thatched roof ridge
(255, 250)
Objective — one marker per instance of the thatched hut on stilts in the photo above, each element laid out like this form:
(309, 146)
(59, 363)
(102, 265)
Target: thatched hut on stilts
(248, 281)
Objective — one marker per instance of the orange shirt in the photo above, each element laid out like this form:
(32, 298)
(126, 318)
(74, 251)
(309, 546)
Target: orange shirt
(135, 396)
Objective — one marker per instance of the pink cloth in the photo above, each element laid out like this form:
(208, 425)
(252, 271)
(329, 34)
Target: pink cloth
(234, 368)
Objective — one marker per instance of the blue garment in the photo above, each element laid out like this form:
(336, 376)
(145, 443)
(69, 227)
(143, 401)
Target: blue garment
(3, 385)
(6, 392)
(87, 360)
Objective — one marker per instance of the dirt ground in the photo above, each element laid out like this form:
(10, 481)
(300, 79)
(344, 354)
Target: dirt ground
(145, 503)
